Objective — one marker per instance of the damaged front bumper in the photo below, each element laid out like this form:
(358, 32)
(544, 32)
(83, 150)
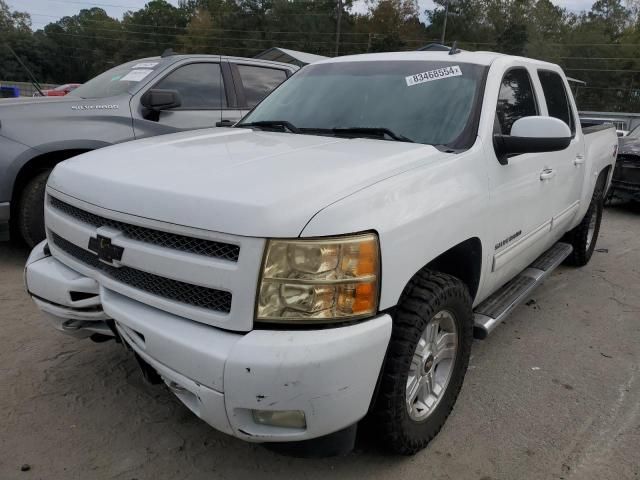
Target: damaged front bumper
(68, 299)
(224, 377)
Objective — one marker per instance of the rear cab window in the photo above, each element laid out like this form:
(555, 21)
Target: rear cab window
(557, 99)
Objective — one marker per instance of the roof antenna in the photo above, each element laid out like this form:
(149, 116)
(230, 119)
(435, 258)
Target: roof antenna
(454, 48)
(167, 53)
(34, 82)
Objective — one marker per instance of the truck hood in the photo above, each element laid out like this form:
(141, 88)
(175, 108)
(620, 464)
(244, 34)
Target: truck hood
(235, 181)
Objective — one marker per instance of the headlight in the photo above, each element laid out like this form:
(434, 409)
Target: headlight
(319, 280)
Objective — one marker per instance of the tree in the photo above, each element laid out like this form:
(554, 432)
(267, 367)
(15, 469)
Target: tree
(152, 29)
(82, 45)
(611, 15)
(395, 25)
(15, 31)
(13, 21)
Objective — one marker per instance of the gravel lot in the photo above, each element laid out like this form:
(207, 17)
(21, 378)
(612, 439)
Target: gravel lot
(554, 393)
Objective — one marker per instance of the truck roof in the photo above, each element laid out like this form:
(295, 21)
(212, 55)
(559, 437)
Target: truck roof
(479, 58)
(177, 57)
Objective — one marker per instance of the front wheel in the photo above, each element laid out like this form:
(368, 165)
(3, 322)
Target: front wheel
(584, 236)
(426, 361)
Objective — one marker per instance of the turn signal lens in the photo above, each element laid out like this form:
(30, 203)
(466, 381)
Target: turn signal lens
(319, 280)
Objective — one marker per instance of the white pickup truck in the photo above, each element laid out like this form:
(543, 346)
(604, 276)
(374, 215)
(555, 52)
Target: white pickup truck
(332, 256)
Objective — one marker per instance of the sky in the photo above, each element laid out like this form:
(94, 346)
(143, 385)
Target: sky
(46, 11)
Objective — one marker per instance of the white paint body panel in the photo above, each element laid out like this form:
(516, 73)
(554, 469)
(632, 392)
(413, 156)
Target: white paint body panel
(257, 184)
(242, 187)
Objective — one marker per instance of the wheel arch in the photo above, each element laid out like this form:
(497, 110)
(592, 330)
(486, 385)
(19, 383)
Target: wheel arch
(38, 163)
(463, 261)
(604, 178)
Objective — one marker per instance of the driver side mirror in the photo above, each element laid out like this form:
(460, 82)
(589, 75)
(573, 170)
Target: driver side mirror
(532, 135)
(157, 99)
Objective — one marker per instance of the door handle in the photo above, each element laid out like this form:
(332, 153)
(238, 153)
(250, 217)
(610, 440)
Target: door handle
(579, 160)
(547, 174)
(225, 123)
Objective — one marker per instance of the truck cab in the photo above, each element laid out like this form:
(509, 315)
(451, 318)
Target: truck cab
(335, 253)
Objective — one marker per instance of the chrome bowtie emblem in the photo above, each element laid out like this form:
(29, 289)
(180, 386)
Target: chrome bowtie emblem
(106, 251)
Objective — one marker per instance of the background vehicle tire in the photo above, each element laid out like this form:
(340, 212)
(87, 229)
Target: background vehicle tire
(584, 236)
(432, 302)
(31, 209)
(609, 197)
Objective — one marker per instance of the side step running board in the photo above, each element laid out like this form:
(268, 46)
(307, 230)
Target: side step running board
(492, 311)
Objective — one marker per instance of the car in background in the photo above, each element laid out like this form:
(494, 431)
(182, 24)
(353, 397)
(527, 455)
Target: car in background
(625, 184)
(142, 98)
(60, 91)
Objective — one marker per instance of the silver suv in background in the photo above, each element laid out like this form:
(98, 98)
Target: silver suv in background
(141, 98)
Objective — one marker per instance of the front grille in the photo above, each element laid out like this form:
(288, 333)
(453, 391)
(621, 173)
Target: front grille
(203, 297)
(628, 160)
(627, 170)
(198, 246)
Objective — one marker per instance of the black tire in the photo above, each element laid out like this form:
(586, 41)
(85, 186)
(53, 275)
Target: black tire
(584, 244)
(427, 294)
(31, 209)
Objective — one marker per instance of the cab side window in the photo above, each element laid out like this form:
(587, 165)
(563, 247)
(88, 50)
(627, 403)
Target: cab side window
(557, 99)
(200, 86)
(516, 99)
(258, 82)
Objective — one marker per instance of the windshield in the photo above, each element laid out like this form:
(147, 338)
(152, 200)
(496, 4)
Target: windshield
(118, 80)
(421, 101)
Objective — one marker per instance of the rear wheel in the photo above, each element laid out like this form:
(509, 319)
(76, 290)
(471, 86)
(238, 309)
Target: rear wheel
(426, 361)
(31, 209)
(584, 236)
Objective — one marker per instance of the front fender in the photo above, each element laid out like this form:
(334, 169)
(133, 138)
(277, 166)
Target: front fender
(12, 156)
(418, 215)
(13, 161)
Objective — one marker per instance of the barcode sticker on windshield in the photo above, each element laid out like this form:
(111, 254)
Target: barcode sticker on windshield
(135, 75)
(431, 75)
(145, 65)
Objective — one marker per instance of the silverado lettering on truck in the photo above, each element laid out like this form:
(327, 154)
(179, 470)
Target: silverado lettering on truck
(333, 255)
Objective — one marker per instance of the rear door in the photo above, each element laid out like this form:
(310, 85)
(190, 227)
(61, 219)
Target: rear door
(254, 82)
(568, 164)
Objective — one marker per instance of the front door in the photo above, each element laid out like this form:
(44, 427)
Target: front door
(202, 92)
(203, 99)
(520, 191)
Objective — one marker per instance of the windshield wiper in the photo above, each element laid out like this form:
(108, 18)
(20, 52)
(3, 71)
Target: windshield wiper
(278, 124)
(372, 131)
(283, 125)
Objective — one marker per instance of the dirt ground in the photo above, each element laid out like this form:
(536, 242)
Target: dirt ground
(554, 393)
